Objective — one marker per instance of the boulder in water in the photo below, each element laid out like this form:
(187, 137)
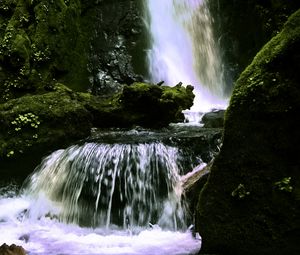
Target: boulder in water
(214, 119)
(11, 250)
(250, 203)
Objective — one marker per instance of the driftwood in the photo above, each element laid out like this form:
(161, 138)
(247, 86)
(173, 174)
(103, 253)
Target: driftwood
(191, 178)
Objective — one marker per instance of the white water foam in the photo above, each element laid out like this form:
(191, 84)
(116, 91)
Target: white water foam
(56, 210)
(46, 236)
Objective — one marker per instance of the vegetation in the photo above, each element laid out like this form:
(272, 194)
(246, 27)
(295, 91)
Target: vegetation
(42, 42)
(259, 151)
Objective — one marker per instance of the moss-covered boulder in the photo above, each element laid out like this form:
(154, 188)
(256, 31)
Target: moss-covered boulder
(156, 105)
(33, 125)
(251, 202)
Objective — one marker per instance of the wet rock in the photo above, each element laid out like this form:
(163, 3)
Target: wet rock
(214, 119)
(117, 55)
(85, 45)
(11, 250)
(250, 203)
(243, 27)
(25, 238)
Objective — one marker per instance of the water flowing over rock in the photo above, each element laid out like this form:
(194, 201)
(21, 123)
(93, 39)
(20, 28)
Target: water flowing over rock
(110, 184)
(183, 49)
(97, 197)
(250, 204)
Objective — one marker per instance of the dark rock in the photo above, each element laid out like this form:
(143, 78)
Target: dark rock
(250, 203)
(117, 46)
(24, 238)
(11, 250)
(243, 27)
(214, 119)
(192, 184)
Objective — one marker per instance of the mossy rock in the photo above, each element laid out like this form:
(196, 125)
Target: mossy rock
(155, 105)
(250, 204)
(31, 126)
(86, 45)
(42, 42)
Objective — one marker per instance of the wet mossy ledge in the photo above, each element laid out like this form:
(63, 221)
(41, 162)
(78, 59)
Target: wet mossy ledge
(251, 201)
(40, 123)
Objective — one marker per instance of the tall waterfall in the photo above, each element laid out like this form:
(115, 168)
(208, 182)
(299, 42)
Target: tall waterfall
(184, 50)
(110, 185)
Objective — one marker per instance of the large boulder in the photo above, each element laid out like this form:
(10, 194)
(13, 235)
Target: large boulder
(214, 119)
(250, 204)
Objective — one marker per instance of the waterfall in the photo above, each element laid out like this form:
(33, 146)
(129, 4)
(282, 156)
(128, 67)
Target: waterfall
(184, 50)
(109, 185)
(101, 198)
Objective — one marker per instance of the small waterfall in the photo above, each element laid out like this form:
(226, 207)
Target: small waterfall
(183, 50)
(109, 185)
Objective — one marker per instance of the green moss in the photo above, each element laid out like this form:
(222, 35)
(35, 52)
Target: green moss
(240, 192)
(155, 105)
(42, 121)
(43, 42)
(263, 75)
(58, 118)
(258, 151)
(284, 184)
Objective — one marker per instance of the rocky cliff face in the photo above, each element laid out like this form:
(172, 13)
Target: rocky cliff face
(83, 44)
(49, 51)
(243, 27)
(250, 204)
(117, 46)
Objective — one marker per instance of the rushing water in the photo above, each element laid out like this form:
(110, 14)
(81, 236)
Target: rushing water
(101, 199)
(184, 50)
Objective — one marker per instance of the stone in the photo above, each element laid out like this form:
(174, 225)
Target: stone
(11, 250)
(243, 27)
(214, 119)
(250, 203)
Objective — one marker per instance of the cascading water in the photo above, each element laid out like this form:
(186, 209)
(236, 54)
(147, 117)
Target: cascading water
(111, 184)
(101, 199)
(183, 50)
